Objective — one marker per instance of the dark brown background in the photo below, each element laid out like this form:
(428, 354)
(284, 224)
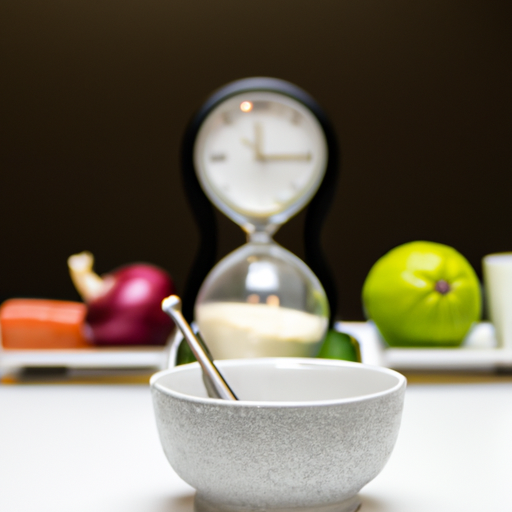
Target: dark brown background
(95, 94)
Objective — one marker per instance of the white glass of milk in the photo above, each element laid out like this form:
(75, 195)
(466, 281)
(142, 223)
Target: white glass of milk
(497, 271)
(262, 301)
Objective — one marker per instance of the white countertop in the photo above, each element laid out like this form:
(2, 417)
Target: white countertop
(70, 448)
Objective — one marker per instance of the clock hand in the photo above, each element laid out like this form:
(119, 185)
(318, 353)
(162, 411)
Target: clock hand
(259, 155)
(258, 141)
(291, 156)
(256, 145)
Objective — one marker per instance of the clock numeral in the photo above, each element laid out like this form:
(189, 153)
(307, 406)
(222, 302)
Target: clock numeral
(296, 117)
(218, 157)
(260, 105)
(227, 118)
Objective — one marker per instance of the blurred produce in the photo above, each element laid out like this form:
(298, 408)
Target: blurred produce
(185, 354)
(42, 324)
(422, 294)
(124, 306)
(338, 345)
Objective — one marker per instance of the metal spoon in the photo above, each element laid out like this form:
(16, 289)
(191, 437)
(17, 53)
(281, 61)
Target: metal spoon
(214, 381)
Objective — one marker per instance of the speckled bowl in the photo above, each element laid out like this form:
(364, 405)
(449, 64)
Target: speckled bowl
(306, 434)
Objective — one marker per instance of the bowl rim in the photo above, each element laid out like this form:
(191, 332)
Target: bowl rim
(283, 362)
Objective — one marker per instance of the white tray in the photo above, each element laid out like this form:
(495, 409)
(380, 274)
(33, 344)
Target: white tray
(154, 357)
(95, 358)
(479, 351)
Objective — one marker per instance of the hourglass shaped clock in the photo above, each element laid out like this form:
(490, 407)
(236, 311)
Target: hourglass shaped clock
(260, 150)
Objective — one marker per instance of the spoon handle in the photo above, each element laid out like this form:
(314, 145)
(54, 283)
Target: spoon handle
(218, 386)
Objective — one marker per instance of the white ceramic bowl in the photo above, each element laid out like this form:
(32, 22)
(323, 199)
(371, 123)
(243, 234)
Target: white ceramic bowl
(306, 434)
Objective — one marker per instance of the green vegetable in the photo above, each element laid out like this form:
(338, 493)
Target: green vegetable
(185, 354)
(338, 345)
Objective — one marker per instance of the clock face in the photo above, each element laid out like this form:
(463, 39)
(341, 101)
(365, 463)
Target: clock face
(260, 156)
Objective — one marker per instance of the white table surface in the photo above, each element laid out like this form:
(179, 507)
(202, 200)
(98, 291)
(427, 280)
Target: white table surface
(69, 448)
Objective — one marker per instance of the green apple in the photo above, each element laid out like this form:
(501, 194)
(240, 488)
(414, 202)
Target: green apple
(422, 294)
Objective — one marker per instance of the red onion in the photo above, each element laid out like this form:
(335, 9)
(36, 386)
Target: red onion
(124, 306)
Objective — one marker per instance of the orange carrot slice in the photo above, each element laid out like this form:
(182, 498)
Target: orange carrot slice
(42, 324)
